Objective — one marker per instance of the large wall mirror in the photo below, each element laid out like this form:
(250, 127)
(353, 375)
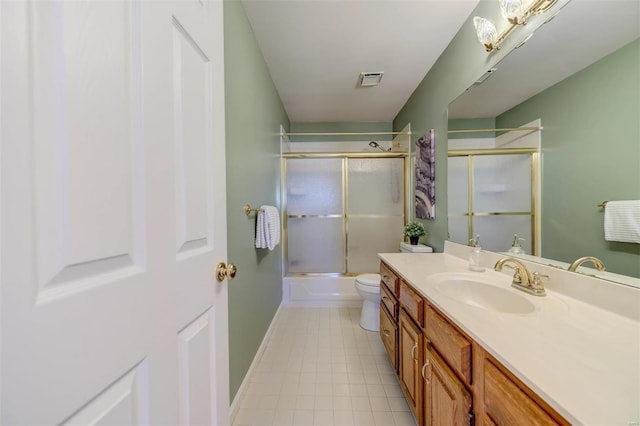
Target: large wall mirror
(579, 74)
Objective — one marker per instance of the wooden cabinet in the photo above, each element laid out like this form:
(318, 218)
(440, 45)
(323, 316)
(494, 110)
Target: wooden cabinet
(507, 401)
(446, 399)
(389, 307)
(446, 372)
(412, 303)
(445, 375)
(389, 336)
(410, 354)
(388, 300)
(454, 346)
(390, 279)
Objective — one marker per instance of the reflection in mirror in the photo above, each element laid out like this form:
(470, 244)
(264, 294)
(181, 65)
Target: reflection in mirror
(582, 82)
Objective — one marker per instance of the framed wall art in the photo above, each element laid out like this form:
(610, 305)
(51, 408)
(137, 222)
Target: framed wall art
(426, 176)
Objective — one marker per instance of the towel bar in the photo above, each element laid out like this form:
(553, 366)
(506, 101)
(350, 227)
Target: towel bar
(602, 204)
(247, 209)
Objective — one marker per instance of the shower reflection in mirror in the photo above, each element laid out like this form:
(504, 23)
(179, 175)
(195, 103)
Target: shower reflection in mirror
(493, 185)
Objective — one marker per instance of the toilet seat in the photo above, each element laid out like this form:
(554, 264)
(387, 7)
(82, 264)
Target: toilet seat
(369, 280)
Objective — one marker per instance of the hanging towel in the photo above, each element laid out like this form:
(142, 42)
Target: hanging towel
(622, 221)
(267, 227)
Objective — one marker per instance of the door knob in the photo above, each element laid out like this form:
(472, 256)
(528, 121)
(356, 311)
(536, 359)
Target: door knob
(223, 270)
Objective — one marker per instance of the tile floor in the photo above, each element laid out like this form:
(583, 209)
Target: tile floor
(320, 368)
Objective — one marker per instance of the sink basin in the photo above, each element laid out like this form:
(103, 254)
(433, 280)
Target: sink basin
(475, 292)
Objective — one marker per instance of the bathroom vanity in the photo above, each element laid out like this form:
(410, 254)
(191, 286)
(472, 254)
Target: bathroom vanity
(468, 348)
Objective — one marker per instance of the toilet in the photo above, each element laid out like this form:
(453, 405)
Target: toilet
(368, 287)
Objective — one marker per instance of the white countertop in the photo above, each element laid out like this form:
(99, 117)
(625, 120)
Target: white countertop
(583, 360)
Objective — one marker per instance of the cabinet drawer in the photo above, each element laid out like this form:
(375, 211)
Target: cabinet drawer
(389, 301)
(389, 336)
(506, 403)
(454, 347)
(412, 302)
(390, 279)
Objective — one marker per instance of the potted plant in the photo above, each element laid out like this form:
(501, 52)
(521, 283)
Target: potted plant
(414, 230)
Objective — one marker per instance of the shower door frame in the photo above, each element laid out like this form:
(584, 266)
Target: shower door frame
(345, 156)
(535, 189)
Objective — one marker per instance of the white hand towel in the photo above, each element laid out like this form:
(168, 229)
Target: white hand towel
(268, 228)
(273, 226)
(622, 221)
(260, 226)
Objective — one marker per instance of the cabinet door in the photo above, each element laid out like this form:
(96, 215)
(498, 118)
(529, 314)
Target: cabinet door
(389, 336)
(446, 400)
(410, 346)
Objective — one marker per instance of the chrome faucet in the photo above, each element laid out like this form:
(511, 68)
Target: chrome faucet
(596, 262)
(522, 279)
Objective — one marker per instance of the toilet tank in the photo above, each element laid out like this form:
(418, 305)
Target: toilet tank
(419, 248)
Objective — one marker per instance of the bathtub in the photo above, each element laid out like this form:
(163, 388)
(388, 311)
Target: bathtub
(319, 291)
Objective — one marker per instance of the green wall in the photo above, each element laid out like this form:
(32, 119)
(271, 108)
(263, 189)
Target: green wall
(341, 127)
(456, 69)
(591, 153)
(254, 113)
(472, 124)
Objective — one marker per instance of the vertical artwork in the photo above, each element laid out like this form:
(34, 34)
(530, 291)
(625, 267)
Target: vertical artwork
(426, 176)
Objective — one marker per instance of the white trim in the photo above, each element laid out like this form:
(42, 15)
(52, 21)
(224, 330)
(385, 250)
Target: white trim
(235, 404)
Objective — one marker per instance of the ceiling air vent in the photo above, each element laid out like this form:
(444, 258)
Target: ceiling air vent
(370, 78)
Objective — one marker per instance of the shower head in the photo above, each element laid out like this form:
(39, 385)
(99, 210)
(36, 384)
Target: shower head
(374, 144)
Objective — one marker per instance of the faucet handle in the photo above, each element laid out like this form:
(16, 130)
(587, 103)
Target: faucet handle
(537, 280)
(517, 277)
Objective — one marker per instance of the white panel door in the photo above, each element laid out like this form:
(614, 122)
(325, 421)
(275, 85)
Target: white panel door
(199, 203)
(113, 213)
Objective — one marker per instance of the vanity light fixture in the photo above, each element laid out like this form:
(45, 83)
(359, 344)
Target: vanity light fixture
(514, 11)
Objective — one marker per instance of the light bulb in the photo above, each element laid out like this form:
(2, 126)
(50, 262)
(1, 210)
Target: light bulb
(486, 31)
(513, 11)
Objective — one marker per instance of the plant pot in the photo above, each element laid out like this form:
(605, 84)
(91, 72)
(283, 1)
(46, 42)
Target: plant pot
(414, 240)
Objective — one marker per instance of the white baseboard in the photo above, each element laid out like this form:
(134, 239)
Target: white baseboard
(235, 404)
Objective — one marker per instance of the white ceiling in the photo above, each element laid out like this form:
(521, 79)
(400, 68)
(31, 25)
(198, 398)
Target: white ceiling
(316, 49)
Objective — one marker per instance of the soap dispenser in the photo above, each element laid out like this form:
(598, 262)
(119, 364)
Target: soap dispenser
(474, 257)
(515, 247)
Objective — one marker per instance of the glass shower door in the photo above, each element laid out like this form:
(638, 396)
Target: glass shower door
(342, 212)
(315, 215)
(375, 215)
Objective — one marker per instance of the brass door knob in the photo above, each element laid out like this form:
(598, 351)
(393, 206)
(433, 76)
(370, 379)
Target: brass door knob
(223, 270)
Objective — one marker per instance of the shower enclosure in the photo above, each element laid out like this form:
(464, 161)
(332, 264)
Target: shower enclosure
(341, 209)
(343, 202)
